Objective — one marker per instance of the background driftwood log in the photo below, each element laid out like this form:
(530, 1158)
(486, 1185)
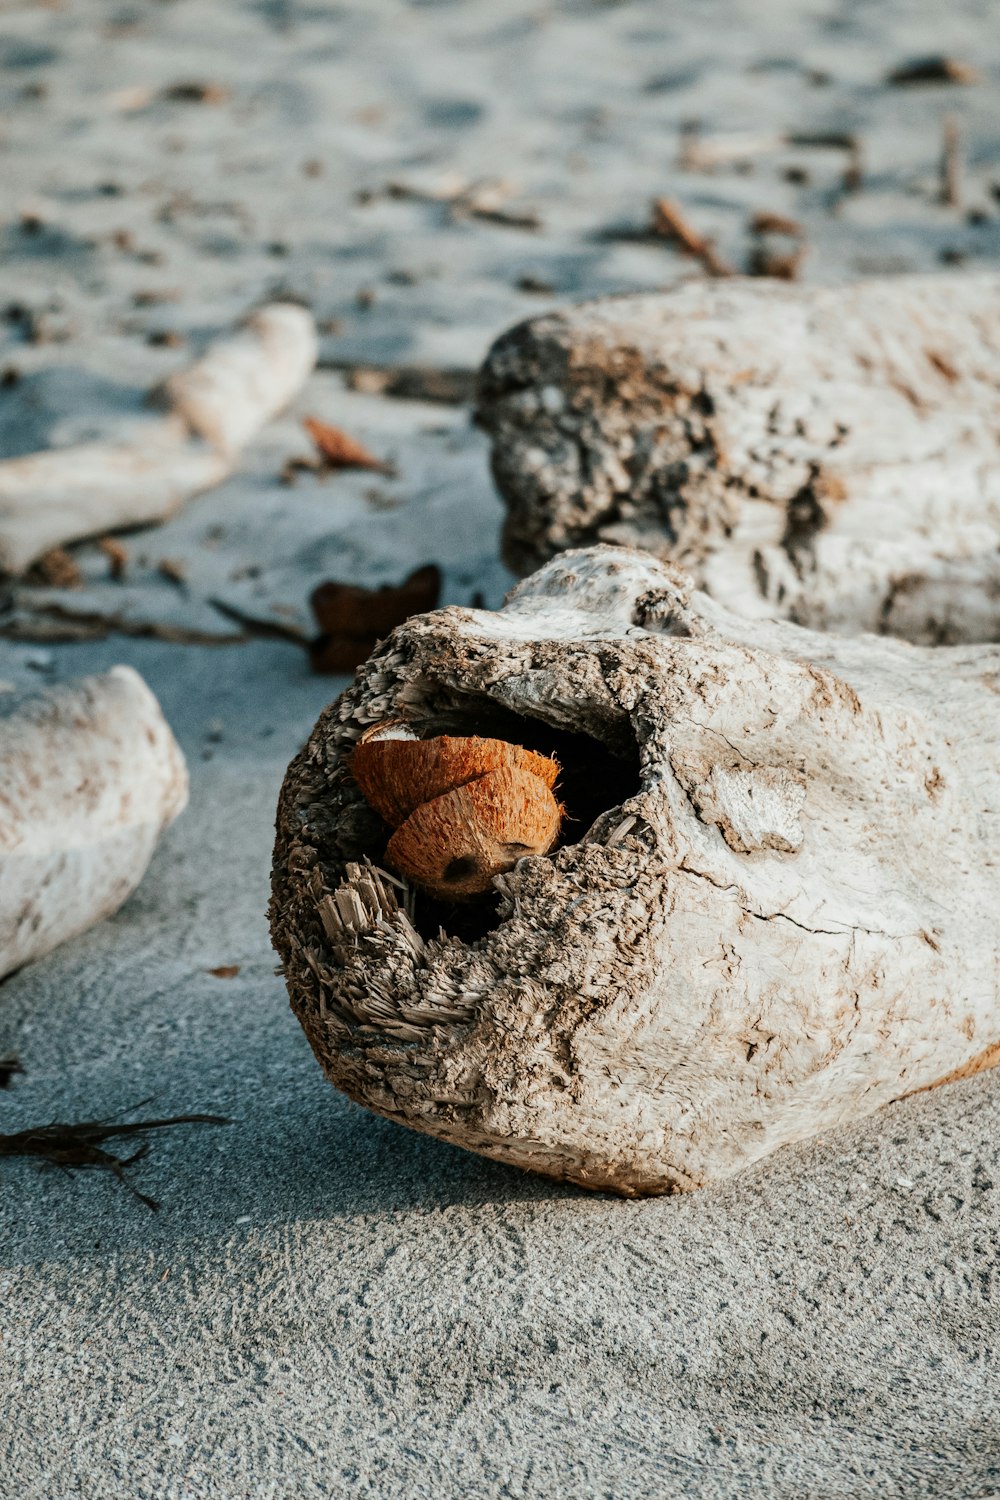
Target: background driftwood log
(777, 909)
(825, 454)
(213, 409)
(90, 775)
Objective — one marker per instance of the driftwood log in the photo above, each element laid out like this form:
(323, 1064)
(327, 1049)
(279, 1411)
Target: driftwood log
(213, 409)
(829, 455)
(776, 906)
(90, 775)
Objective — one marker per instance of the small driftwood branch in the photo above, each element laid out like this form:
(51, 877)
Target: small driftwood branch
(826, 454)
(778, 908)
(214, 408)
(90, 775)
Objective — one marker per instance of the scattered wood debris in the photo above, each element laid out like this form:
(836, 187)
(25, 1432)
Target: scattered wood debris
(117, 555)
(60, 624)
(225, 971)
(82, 1145)
(822, 140)
(195, 92)
(768, 260)
(353, 619)
(854, 171)
(338, 450)
(511, 218)
(299, 463)
(154, 297)
(701, 153)
(765, 222)
(535, 284)
(484, 199)
(256, 627)
(781, 260)
(951, 164)
(55, 569)
(668, 221)
(173, 570)
(10, 1066)
(937, 69)
(449, 387)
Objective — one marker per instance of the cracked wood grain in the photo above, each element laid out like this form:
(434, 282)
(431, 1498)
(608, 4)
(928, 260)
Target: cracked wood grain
(775, 908)
(828, 454)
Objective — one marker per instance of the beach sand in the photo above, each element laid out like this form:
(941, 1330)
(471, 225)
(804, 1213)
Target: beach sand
(325, 1304)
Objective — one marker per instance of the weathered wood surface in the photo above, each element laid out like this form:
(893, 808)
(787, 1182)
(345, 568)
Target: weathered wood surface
(90, 775)
(214, 408)
(780, 908)
(830, 455)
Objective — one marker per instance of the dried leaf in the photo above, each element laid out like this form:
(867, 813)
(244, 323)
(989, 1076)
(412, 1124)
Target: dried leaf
(353, 619)
(340, 451)
(225, 971)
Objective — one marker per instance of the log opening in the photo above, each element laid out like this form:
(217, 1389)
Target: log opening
(596, 776)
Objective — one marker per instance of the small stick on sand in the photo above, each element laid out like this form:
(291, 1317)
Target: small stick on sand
(669, 221)
(951, 164)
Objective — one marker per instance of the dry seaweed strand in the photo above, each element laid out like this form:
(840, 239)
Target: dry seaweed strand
(61, 1144)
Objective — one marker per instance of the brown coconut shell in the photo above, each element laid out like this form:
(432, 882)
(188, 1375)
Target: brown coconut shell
(455, 845)
(396, 776)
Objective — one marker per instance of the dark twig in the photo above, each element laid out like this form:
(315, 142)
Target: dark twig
(81, 1145)
(669, 222)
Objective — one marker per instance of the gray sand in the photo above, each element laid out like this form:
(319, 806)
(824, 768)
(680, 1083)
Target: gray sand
(326, 1304)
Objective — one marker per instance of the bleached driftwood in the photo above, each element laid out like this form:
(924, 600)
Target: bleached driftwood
(90, 775)
(214, 408)
(825, 454)
(244, 381)
(779, 909)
